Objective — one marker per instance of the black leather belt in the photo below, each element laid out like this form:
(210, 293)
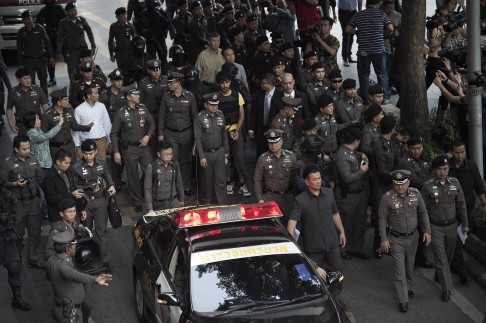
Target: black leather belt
(166, 200)
(34, 57)
(211, 150)
(75, 305)
(132, 143)
(97, 195)
(178, 130)
(442, 223)
(401, 234)
(277, 192)
(59, 144)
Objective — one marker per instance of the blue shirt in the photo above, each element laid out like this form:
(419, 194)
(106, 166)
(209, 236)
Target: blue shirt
(370, 25)
(349, 5)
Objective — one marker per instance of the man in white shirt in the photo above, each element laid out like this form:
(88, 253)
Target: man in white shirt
(93, 111)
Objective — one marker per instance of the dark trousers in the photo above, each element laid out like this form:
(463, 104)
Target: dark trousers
(182, 147)
(376, 196)
(347, 44)
(28, 215)
(39, 66)
(421, 255)
(97, 215)
(213, 179)
(9, 255)
(115, 169)
(72, 61)
(2, 98)
(160, 49)
(133, 156)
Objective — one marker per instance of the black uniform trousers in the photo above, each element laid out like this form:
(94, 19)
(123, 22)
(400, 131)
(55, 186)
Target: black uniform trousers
(9, 254)
(28, 215)
(37, 65)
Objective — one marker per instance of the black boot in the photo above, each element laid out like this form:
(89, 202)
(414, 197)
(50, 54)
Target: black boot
(17, 301)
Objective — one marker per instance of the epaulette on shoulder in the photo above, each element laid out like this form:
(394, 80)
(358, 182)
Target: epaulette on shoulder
(430, 180)
(453, 179)
(413, 189)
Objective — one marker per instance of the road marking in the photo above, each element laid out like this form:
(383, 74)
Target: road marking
(466, 306)
(351, 317)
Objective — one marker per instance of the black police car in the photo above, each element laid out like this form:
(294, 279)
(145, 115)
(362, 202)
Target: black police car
(233, 263)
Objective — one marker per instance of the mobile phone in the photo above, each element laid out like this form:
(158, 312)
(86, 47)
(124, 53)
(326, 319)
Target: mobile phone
(364, 162)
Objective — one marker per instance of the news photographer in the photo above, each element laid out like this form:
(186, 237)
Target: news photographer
(321, 41)
(10, 244)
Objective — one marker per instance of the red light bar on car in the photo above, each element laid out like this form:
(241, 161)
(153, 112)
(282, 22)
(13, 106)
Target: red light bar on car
(232, 213)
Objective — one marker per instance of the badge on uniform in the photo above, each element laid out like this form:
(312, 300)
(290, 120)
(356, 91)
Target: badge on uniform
(142, 122)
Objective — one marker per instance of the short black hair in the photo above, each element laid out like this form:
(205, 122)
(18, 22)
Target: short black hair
(457, 143)
(270, 78)
(19, 139)
(60, 247)
(225, 49)
(29, 119)
(61, 154)
(163, 145)
(311, 169)
(213, 35)
(348, 138)
(331, 21)
(88, 90)
(222, 76)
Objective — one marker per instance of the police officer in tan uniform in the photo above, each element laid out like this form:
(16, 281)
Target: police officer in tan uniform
(445, 201)
(402, 211)
(283, 120)
(163, 181)
(272, 172)
(133, 125)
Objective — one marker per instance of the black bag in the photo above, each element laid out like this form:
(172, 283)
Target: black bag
(114, 213)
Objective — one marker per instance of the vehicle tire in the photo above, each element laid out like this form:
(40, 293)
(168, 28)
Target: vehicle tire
(139, 301)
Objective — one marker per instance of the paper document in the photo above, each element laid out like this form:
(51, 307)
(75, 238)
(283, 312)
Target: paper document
(462, 235)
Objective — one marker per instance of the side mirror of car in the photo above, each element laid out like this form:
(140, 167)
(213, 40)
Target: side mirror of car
(334, 277)
(169, 299)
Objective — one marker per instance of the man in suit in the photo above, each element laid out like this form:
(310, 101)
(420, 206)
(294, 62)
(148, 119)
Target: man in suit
(265, 105)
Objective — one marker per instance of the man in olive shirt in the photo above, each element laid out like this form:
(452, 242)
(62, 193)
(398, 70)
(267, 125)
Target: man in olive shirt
(177, 111)
(212, 149)
(64, 138)
(163, 182)
(132, 128)
(402, 211)
(445, 201)
(24, 97)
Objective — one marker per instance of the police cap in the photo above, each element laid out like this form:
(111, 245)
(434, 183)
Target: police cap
(354, 132)
(120, 11)
(154, 65)
(86, 67)
(239, 14)
(349, 84)
(88, 145)
(211, 98)
(375, 89)
(414, 140)
(312, 53)
(64, 237)
(277, 61)
(294, 103)
(228, 8)
(273, 135)
(323, 101)
(174, 76)
(66, 204)
(276, 34)
(26, 14)
(21, 72)
(372, 111)
(400, 176)
(60, 93)
(285, 46)
(251, 18)
(440, 161)
(233, 32)
(70, 6)
(334, 74)
(316, 66)
(387, 123)
(116, 74)
(261, 39)
(130, 89)
(309, 124)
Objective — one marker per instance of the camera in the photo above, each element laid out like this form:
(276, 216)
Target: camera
(457, 20)
(478, 81)
(309, 32)
(433, 22)
(456, 56)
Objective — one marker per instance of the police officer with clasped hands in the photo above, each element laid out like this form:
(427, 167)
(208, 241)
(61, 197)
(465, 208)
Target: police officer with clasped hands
(402, 210)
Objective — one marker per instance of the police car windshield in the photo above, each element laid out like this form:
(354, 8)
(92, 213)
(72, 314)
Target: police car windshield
(250, 275)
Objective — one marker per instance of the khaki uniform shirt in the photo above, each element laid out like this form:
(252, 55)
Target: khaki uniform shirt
(327, 127)
(346, 110)
(51, 118)
(273, 172)
(167, 184)
(131, 125)
(177, 112)
(210, 132)
(284, 124)
(12, 169)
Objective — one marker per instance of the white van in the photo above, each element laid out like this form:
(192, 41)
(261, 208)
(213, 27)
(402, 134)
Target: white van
(11, 22)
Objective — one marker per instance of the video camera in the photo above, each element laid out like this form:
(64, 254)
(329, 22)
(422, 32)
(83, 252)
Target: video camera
(308, 32)
(458, 19)
(433, 22)
(478, 81)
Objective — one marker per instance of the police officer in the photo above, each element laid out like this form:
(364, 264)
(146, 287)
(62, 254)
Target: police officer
(24, 174)
(87, 80)
(152, 88)
(63, 139)
(416, 162)
(283, 120)
(24, 97)
(134, 67)
(350, 107)
(178, 62)
(67, 282)
(385, 162)
(352, 191)
(9, 251)
(163, 182)
(445, 201)
(132, 128)
(198, 32)
(86, 56)
(177, 112)
(402, 211)
(120, 37)
(90, 172)
(371, 130)
(212, 149)
(272, 172)
(33, 45)
(181, 25)
(71, 37)
(335, 89)
(317, 87)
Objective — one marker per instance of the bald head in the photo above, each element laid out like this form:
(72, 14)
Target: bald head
(288, 82)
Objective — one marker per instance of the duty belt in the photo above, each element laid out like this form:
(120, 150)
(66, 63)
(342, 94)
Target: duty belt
(132, 143)
(97, 195)
(75, 305)
(277, 192)
(178, 130)
(208, 150)
(59, 143)
(34, 57)
(166, 200)
(442, 223)
(398, 234)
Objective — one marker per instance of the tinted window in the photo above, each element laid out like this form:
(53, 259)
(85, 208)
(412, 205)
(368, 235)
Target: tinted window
(251, 279)
(162, 239)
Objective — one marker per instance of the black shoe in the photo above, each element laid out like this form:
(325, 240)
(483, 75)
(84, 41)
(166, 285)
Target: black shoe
(426, 264)
(138, 208)
(37, 265)
(446, 296)
(403, 307)
(351, 60)
(411, 294)
(345, 255)
(436, 277)
(378, 254)
(361, 255)
(188, 193)
(465, 278)
(17, 301)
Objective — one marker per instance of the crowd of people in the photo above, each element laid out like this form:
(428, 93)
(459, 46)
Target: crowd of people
(319, 138)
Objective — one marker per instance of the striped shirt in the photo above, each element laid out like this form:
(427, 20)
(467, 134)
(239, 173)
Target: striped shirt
(370, 24)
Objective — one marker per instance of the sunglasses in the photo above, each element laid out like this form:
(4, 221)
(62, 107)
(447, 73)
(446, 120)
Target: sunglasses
(337, 81)
(278, 41)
